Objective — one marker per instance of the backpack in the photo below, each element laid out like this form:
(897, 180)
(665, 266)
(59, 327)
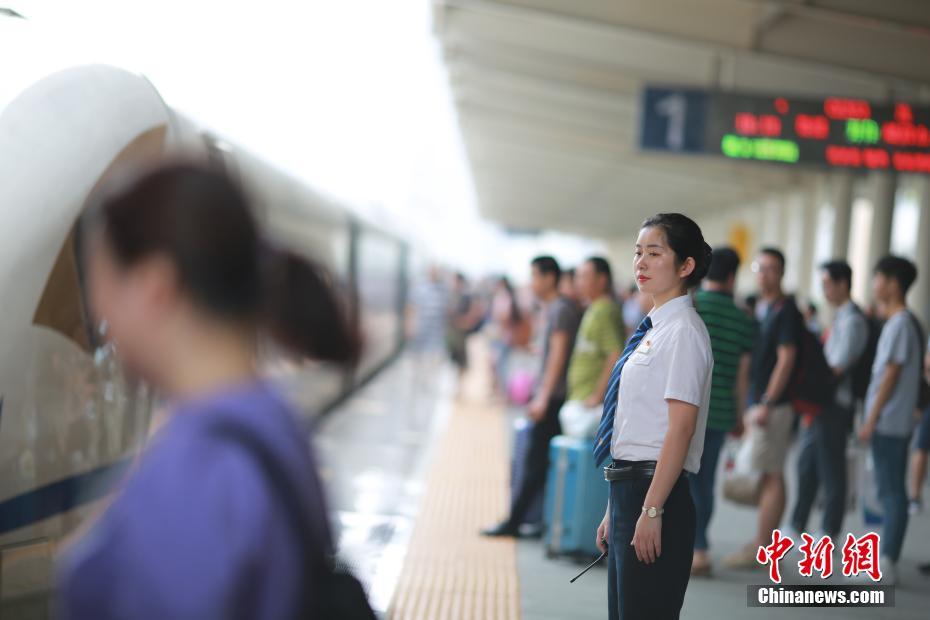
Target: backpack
(340, 594)
(923, 388)
(812, 386)
(861, 372)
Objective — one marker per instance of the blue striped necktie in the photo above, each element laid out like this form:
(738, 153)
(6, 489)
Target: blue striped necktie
(605, 431)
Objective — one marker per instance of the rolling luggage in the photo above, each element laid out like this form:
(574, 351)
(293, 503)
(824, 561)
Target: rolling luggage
(576, 498)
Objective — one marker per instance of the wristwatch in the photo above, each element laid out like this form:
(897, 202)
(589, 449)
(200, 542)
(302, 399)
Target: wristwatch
(764, 400)
(652, 512)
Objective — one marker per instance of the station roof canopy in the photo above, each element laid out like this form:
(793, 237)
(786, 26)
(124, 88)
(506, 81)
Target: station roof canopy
(547, 94)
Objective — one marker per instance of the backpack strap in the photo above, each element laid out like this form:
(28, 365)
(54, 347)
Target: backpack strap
(920, 332)
(923, 389)
(286, 495)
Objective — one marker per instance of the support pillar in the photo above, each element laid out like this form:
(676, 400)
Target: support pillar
(807, 211)
(881, 191)
(919, 297)
(840, 199)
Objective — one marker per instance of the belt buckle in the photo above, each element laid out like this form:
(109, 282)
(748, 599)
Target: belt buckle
(612, 473)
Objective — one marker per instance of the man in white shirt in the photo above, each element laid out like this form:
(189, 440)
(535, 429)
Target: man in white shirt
(822, 459)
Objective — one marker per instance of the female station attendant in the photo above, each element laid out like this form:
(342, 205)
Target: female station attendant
(652, 430)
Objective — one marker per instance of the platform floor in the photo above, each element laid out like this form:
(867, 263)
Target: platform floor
(374, 452)
(415, 470)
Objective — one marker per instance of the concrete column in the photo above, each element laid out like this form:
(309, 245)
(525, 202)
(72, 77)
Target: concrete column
(808, 212)
(919, 297)
(840, 199)
(773, 222)
(881, 194)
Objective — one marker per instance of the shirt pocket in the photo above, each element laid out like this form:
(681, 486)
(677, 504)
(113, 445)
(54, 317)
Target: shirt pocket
(641, 359)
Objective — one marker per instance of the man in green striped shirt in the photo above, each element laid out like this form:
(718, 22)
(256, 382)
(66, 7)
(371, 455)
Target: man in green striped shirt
(732, 337)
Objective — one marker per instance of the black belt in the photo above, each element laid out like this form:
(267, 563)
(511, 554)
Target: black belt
(631, 470)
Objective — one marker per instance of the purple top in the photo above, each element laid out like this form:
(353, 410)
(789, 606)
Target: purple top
(197, 532)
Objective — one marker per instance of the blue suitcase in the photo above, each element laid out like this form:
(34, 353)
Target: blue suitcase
(576, 498)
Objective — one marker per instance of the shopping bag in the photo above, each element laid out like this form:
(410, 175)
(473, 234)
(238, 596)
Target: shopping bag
(741, 483)
(579, 421)
(867, 488)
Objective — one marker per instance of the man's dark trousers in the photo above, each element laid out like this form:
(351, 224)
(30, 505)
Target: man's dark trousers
(822, 460)
(536, 465)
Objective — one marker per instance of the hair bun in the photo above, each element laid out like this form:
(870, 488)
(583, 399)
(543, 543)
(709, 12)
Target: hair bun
(702, 266)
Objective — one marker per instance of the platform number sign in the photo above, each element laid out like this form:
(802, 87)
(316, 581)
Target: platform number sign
(832, 132)
(673, 120)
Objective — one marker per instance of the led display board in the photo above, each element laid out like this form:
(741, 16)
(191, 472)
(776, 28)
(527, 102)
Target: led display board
(835, 132)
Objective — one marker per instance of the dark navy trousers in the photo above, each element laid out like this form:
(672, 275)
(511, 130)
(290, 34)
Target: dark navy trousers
(640, 591)
(822, 464)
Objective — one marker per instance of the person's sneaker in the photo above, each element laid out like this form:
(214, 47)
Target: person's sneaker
(889, 572)
(792, 532)
(530, 530)
(701, 569)
(913, 507)
(505, 529)
(700, 566)
(743, 559)
(795, 535)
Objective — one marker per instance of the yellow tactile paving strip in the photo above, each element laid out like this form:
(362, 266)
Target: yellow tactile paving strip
(451, 572)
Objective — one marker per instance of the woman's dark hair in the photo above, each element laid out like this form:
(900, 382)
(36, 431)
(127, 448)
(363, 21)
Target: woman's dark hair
(602, 267)
(201, 221)
(515, 315)
(685, 238)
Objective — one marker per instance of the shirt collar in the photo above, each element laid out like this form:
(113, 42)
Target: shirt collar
(846, 307)
(670, 308)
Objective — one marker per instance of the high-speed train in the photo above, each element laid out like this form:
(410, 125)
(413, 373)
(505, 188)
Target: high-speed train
(70, 422)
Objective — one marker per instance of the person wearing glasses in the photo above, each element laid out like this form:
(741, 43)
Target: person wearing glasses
(652, 428)
(770, 419)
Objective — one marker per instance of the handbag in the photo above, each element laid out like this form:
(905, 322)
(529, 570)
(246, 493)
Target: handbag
(741, 483)
(340, 594)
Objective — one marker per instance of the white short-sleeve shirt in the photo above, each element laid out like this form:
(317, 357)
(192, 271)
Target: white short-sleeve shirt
(674, 361)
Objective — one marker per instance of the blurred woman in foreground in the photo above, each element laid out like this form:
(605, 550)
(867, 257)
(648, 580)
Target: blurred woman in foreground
(177, 269)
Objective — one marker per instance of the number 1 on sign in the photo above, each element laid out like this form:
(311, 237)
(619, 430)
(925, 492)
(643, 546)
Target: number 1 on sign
(675, 107)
